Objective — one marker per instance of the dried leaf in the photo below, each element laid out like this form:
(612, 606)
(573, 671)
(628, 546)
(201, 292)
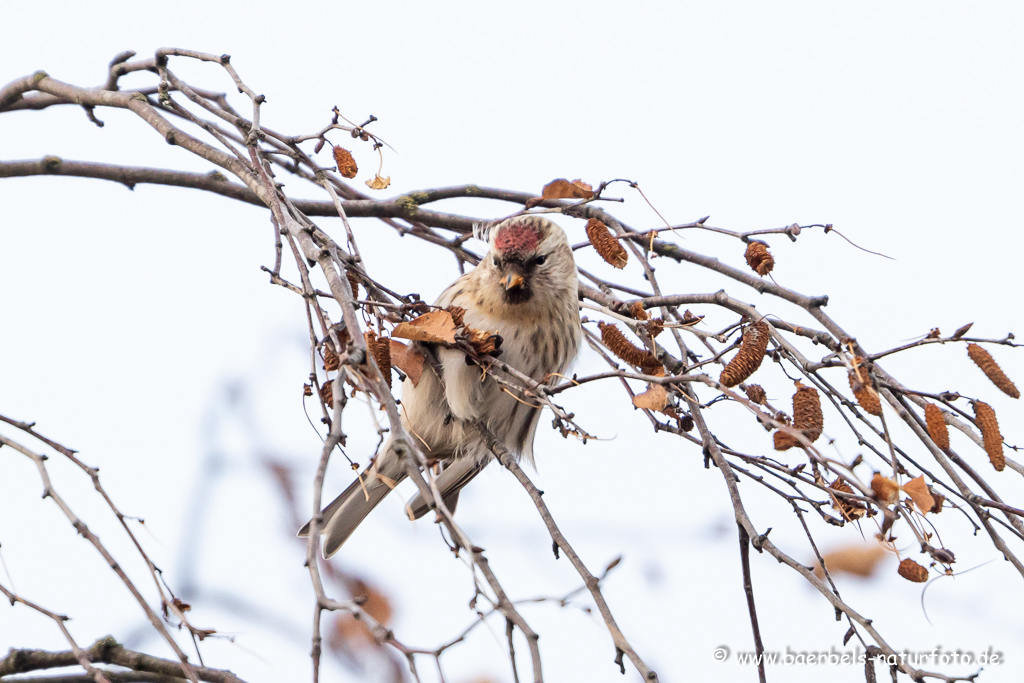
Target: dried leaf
(484, 343)
(563, 189)
(374, 602)
(690, 318)
(654, 327)
(347, 632)
(331, 362)
(407, 359)
(885, 489)
(783, 441)
(861, 559)
(849, 509)
(583, 187)
(918, 491)
(346, 164)
(327, 392)
(343, 337)
(655, 398)
(436, 326)
(379, 182)
(638, 311)
(458, 313)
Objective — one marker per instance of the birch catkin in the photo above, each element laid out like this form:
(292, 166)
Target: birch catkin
(353, 282)
(912, 571)
(755, 392)
(807, 415)
(605, 244)
(985, 418)
(382, 354)
(860, 384)
(346, 164)
(750, 355)
(759, 258)
(936, 423)
(984, 360)
(617, 343)
(807, 418)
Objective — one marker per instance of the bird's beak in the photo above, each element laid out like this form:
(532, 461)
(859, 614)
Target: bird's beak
(513, 281)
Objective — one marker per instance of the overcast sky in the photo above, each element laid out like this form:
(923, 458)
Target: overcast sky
(138, 328)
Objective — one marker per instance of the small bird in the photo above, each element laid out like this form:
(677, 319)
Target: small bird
(525, 290)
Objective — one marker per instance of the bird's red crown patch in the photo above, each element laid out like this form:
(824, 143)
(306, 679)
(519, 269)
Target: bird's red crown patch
(518, 238)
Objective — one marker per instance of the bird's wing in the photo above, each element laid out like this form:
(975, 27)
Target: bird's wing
(462, 386)
(457, 290)
(463, 389)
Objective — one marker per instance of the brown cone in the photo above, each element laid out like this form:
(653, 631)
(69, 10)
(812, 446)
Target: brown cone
(750, 355)
(912, 571)
(346, 164)
(988, 365)
(985, 418)
(937, 428)
(605, 244)
(759, 258)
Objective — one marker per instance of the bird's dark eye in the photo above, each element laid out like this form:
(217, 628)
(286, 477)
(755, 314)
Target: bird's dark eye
(538, 260)
(496, 262)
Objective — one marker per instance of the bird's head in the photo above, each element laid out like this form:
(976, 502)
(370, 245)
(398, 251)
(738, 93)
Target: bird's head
(529, 257)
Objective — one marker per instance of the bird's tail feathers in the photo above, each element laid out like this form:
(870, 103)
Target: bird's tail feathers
(347, 511)
(358, 503)
(451, 480)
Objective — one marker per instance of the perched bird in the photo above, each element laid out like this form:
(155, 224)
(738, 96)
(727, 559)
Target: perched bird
(524, 290)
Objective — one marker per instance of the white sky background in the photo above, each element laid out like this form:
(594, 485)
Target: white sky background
(130, 319)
